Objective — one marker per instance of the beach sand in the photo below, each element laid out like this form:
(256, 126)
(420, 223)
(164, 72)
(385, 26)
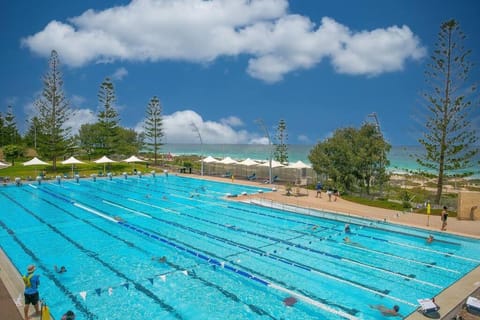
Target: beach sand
(450, 300)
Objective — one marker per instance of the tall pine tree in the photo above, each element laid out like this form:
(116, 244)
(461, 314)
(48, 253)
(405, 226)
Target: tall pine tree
(53, 113)
(153, 126)
(281, 148)
(448, 138)
(108, 118)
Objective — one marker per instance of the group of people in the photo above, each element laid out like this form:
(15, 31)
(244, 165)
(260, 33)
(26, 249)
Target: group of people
(330, 192)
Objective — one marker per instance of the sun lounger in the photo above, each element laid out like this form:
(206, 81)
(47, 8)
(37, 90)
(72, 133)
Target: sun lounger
(252, 177)
(473, 304)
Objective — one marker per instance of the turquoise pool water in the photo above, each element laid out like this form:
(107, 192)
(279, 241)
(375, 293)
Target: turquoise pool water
(224, 259)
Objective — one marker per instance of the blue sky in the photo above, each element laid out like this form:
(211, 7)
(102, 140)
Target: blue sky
(224, 64)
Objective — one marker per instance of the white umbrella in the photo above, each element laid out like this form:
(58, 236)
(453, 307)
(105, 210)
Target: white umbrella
(134, 159)
(35, 162)
(73, 161)
(104, 160)
(3, 165)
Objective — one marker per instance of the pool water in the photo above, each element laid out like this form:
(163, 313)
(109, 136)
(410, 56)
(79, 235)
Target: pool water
(222, 259)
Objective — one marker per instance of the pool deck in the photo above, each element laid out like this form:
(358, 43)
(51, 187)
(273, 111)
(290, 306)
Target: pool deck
(450, 300)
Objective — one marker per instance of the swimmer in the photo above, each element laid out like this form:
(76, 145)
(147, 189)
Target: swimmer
(161, 259)
(347, 240)
(387, 312)
(347, 228)
(315, 227)
(62, 269)
(430, 239)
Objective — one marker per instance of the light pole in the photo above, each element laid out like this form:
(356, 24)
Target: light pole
(267, 135)
(195, 128)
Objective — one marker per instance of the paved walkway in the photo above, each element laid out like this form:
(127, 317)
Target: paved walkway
(450, 300)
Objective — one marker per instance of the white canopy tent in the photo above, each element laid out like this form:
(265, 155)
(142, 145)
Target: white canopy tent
(210, 159)
(298, 165)
(228, 160)
(104, 160)
(301, 167)
(248, 163)
(73, 161)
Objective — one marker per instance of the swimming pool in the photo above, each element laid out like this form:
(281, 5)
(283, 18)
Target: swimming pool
(224, 259)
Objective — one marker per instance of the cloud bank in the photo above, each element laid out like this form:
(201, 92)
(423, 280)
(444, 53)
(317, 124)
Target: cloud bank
(276, 41)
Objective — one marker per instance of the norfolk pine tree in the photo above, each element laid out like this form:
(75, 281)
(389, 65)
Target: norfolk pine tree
(108, 118)
(448, 138)
(281, 149)
(153, 126)
(53, 113)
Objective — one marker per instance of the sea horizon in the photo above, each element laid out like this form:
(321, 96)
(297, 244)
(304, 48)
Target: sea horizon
(400, 157)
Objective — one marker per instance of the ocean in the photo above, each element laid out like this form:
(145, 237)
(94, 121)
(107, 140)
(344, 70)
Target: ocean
(400, 157)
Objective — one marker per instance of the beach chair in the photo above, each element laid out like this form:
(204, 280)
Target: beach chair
(473, 305)
(274, 179)
(429, 308)
(252, 177)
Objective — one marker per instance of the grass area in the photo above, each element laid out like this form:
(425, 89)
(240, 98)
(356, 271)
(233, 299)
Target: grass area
(83, 170)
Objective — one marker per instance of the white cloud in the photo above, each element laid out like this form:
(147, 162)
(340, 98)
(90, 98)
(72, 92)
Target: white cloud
(80, 117)
(178, 128)
(119, 74)
(232, 121)
(200, 31)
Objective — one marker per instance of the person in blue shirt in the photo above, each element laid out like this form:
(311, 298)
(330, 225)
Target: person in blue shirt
(319, 188)
(31, 281)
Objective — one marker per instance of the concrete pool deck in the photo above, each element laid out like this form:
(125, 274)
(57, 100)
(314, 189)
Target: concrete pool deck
(450, 300)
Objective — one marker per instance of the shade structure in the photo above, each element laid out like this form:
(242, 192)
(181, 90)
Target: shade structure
(248, 163)
(209, 159)
(301, 167)
(73, 161)
(134, 159)
(275, 164)
(298, 165)
(104, 160)
(3, 165)
(35, 162)
(228, 160)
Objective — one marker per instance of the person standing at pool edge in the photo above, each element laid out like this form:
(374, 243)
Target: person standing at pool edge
(444, 218)
(31, 281)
